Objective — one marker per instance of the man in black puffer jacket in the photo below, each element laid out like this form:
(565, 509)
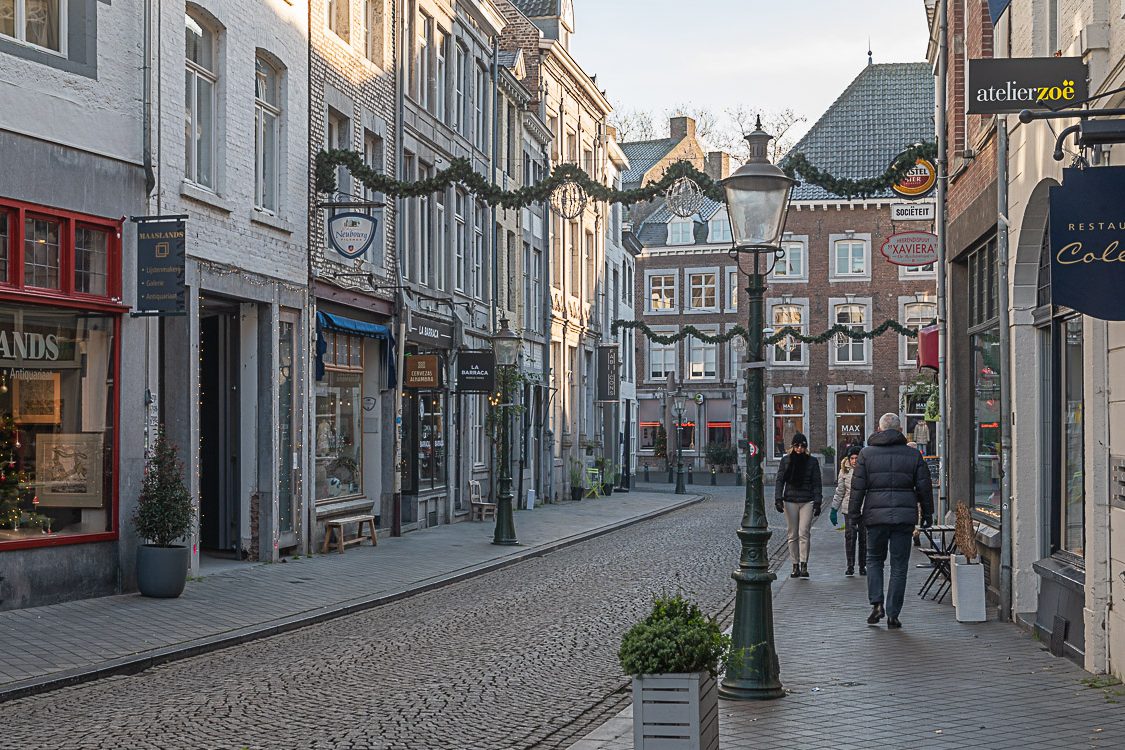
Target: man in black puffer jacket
(891, 481)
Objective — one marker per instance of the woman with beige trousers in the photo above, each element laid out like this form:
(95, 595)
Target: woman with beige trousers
(797, 494)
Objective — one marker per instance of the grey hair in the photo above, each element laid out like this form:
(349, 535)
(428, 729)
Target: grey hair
(890, 421)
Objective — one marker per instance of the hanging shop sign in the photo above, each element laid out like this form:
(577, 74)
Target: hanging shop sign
(161, 252)
(911, 249)
(913, 212)
(1088, 242)
(919, 182)
(352, 233)
(422, 371)
(609, 373)
(1009, 85)
(434, 333)
(476, 372)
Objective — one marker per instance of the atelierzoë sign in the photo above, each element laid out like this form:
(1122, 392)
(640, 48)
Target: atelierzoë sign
(1088, 242)
(919, 182)
(1009, 85)
(911, 248)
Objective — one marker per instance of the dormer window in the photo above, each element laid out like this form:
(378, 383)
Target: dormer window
(719, 230)
(681, 232)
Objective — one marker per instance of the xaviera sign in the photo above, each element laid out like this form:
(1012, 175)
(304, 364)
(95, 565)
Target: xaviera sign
(911, 249)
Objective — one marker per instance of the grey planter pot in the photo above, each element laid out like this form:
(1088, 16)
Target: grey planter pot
(675, 712)
(162, 571)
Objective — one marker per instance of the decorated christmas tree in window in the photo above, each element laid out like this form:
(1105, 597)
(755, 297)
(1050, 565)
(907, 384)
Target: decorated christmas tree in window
(9, 475)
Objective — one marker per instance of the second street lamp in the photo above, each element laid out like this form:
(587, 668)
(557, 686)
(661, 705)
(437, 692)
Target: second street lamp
(506, 345)
(757, 201)
(680, 404)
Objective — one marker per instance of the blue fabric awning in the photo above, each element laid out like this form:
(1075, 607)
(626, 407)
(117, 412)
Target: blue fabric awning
(339, 323)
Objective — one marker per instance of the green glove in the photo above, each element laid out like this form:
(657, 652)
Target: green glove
(832, 516)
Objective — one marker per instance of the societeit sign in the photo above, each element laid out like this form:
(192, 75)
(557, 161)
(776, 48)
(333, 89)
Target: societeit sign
(918, 182)
(1088, 242)
(911, 248)
(352, 233)
(1009, 85)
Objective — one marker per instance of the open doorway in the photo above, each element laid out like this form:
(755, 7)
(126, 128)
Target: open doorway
(219, 502)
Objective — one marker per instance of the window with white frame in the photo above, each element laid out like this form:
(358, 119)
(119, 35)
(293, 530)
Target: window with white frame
(460, 86)
(788, 420)
(480, 95)
(681, 232)
(703, 290)
(460, 241)
(718, 229)
(926, 270)
(425, 43)
(372, 159)
(916, 315)
(425, 230)
(201, 79)
(42, 23)
(789, 350)
(477, 280)
(703, 359)
(339, 136)
(662, 291)
(340, 18)
(850, 351)
(791, 265)
(661, 360)
(441, 49)
(442, 234)
(267, 134)
(373, 18)
(849, 257)
(732, 290)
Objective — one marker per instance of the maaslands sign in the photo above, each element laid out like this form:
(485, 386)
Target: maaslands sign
(1010, 85)
(911, 249)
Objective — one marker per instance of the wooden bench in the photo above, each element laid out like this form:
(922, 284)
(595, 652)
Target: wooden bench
(337, 525)
(478, 508)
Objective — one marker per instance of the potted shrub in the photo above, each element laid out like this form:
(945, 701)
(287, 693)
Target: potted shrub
(673, 656)
(966, 571)
(828, 468)
(575, 481)
(164, 515)
(609, 477)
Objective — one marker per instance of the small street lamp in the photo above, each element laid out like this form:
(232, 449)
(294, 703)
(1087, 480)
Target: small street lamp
(679, 403)
(506, 345)
(758, 196)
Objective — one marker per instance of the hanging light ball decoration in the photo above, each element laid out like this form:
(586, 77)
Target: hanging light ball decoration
(569, 200)
(684, 197)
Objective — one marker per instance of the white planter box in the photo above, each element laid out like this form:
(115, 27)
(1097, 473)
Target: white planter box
(675, 712)
(968, 590)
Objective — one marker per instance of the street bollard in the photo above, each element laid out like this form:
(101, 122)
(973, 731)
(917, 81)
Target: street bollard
(671, 478)
(713, 481)
(690, 475)
(738, 476)
(646, 474)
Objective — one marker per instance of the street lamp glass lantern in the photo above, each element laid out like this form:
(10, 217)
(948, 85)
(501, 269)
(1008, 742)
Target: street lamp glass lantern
(679, 403)
(758, 196)
(506, 343)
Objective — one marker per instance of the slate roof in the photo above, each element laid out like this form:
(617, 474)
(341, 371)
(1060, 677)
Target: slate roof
(886, 108)
(653, 232)
(537, 8)
(643, 156)
(507, 59)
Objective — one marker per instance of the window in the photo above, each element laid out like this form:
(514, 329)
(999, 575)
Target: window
(41, 256)
(340, 18)
(789, 350)
(425, 231)
(702, 359)
(791, 266)
(440, 247)
(410, 221)
(536, 290)
(575, 260)
(479, 134)
(91, 260)
(510, 270)
(339, 419)
(788, 420)
(850, 351)
(441, 49)
(1071, 420)
(340, 138)
(460, 85)
(200, 80)
(478, 252)
(851, 420)
(984, 342)
(267, 135)
(650, 434)
(704, 291)
(661, 360)
(850, 258)
(591, 253)
(917, 315)
(373, 158)
(460, 241)
(431, 440)
(5, 246)
(681, 232)
(425, 43)
(926, 270)
(732, 291)
(373, 14)
(718, 230)
(39, 22)
(662, 292)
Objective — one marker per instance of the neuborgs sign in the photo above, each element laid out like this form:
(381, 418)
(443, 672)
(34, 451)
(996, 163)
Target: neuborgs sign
(1008, 85)
(1088, 242)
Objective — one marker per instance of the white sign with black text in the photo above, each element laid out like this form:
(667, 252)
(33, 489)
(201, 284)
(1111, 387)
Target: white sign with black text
(913, 212)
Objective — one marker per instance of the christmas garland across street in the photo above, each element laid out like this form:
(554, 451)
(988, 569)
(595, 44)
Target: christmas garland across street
(776, 337)
(461, 172)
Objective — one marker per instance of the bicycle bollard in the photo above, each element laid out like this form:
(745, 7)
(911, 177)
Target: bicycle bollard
(713, 481)
(646, 474)
(690, 474)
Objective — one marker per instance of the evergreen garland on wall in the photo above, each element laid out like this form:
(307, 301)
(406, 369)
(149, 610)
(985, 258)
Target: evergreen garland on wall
(776, 337)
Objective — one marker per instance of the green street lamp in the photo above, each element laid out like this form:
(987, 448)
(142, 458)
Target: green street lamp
(758, 195)
(506, 345)
(679, 404)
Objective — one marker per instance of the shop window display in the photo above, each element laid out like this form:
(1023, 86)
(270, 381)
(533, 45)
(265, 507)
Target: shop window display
(339, 409)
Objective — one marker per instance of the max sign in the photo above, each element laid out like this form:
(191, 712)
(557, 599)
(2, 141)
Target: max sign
(911, 249)
(1088, 242)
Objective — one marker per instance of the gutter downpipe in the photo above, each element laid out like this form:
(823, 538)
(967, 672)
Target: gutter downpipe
(1006, 416)
(545, 303)
(401, 310)
(146, 133)
(942, 190)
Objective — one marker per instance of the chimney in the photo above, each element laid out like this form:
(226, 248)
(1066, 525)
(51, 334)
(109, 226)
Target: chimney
(717, 166)
(682, 127)
(611, 132)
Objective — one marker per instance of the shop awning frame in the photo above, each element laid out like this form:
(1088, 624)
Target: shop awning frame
(342, 324)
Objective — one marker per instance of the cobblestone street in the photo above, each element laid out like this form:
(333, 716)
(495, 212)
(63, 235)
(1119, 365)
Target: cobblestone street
(518, 658)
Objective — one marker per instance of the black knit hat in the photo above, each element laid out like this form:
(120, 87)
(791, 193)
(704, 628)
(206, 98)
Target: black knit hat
(853, 450)
(799, 439)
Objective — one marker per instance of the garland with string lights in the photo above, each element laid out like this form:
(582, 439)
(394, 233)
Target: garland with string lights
(461, 172)
(778, 336)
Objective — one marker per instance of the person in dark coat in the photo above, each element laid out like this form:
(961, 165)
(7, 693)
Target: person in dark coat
(890, 485)
(797, 494)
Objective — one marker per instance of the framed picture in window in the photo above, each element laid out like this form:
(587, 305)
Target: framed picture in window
(68, 470)
(36, 398)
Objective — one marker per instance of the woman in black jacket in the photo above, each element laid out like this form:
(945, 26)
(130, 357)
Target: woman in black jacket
(798, 496)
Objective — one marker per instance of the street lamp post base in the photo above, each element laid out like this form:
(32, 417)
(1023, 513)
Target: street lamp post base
(749, 690)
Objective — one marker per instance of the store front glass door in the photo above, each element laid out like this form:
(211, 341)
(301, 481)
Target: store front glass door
(851, 421)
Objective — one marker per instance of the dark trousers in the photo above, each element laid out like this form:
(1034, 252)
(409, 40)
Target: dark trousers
(855, 531)
(896, 539)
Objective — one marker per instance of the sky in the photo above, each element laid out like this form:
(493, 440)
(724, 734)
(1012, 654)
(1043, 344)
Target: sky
(762, 54)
